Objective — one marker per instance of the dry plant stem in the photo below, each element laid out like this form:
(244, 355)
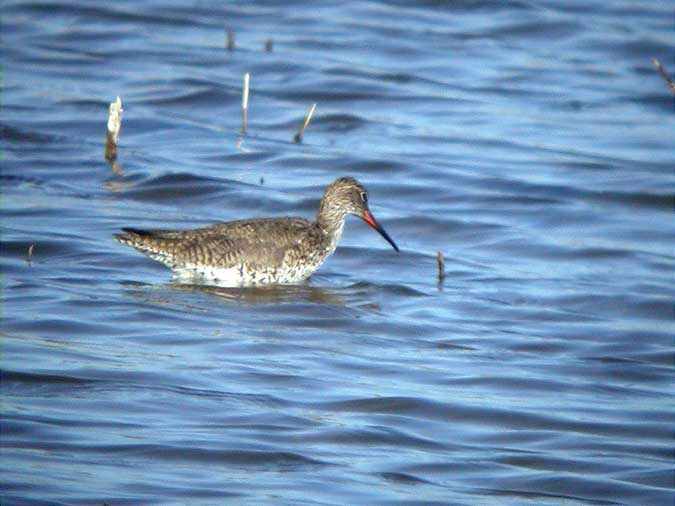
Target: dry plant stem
(114, 126)
(244, 103)
(664, 74)
(30, 252)
(230, 40)
(441, 266)
(269, 45)
(301, 131)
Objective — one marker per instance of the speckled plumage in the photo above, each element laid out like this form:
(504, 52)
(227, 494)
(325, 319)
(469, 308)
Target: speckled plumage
(258, 251)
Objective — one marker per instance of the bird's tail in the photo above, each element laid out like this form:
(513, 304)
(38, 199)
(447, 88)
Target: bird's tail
(147, 242)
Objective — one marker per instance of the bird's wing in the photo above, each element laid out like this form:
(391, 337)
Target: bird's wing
(225, 245)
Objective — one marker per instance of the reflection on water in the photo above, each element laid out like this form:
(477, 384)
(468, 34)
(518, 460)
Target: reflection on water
(269, 295)
(352, 296)
(532, 146)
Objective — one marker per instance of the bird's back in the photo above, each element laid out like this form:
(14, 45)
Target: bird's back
(239, 252)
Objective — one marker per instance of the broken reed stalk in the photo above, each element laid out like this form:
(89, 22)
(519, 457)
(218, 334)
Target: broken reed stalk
(30, 253)
(269, 45)
(301, 131)
(441, 266)
(114, 126)
(230, 40)
(664, 74)
(244, 103)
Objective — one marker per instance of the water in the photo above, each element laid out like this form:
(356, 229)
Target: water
(531, 143)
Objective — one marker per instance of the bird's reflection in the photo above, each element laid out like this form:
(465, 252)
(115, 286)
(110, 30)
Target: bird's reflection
(355, 296)
(266, 295)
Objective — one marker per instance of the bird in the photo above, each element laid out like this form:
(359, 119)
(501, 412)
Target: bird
(259, 251)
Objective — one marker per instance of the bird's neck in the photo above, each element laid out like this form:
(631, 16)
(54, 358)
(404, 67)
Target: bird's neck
(331, 222)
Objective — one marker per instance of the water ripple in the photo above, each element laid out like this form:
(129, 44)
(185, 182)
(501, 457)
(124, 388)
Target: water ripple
(530, 144)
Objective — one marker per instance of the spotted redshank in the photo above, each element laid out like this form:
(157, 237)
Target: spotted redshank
(258, 251)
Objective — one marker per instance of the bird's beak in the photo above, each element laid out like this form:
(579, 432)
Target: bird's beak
(370, 220)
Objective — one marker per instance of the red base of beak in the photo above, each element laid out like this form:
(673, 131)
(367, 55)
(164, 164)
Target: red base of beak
(370, 220)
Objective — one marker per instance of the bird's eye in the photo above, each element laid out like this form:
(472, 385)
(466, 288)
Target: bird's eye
(364, 197)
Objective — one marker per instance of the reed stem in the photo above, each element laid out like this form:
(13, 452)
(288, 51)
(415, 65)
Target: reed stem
(665, 75)
(301, 131)
(244, 103)
(441, 266)
(114, 127)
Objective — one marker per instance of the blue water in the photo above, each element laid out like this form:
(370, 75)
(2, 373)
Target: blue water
(530, 142)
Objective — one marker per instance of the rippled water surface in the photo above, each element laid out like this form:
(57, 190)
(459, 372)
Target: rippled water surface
(533, 143)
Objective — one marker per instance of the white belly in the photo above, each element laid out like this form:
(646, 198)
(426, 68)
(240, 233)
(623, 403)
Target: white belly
(241, 276)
